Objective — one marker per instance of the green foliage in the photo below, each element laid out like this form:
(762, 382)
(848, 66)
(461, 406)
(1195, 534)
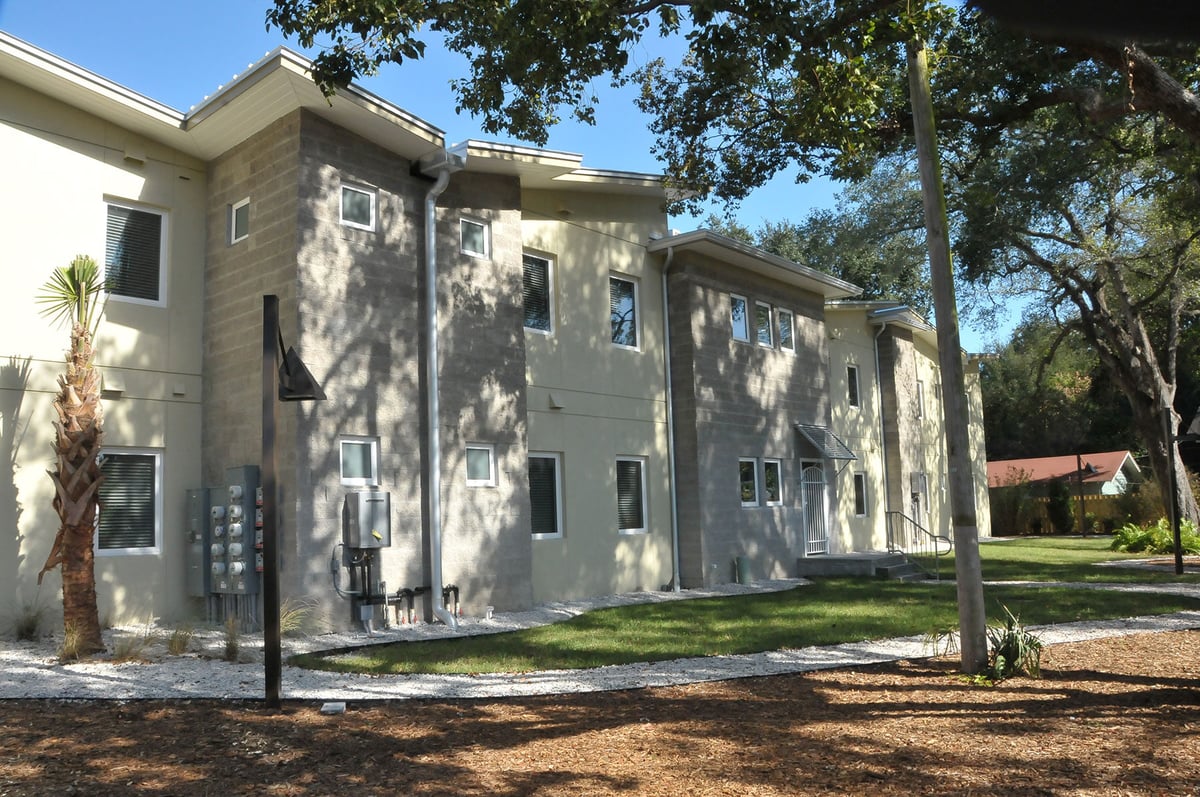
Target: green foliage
(297, 617)
(72, 647)
(1156, 538)
(1011, 504)
(1012, 650)
(180, 639)
(1060, 506)
(73, 293)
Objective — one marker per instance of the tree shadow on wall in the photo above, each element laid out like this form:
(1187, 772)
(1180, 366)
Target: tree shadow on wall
(14, 375)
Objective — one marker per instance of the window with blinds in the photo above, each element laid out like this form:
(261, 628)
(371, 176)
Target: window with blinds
(544, 496)
(133, 253)
(631, 496)
(622, 304)
(129, 502)
(537, 293)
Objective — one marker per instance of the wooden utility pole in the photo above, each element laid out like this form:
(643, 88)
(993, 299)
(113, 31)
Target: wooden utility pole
(972, 619)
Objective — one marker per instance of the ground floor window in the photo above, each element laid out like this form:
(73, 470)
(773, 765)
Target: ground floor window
(545, 495)
(748, 481)
(130, 519)
(860, 494)
(631, 495)
(773, 482)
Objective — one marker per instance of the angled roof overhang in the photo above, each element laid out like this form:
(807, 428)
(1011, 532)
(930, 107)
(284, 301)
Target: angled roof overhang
(825, 441)
(757, 261)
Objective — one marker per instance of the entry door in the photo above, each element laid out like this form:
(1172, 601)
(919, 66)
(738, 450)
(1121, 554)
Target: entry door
(816, 514)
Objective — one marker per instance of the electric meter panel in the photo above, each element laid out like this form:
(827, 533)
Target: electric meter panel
(234, 569)
(196, 538)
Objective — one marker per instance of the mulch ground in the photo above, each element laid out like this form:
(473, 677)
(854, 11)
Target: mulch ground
(1118, 716)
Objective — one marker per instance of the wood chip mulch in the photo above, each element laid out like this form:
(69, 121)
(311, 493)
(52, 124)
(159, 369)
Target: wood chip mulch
(1118, 716)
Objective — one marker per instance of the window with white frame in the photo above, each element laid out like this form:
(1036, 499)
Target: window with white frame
(631, 495)
(135, 249)
(130, 520)
(623, 311)
(359, 461)
(787, 331)
(739, 317)
(920, 399)
(474, 237)
(538, 294)
(762, 319)
(860, 494)
(239, 221)
(481, 465)
(545, 495)
(773, 482)
(748, 481)
(852, 396)
(358, 207)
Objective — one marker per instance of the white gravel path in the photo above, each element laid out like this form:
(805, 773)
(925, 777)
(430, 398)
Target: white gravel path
(30, 670)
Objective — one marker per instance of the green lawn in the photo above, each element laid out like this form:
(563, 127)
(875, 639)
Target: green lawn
(828, 611)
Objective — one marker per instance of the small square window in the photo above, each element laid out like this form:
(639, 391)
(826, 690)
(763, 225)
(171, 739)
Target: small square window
(623, 311)
(239, 221)
(748, 481)
(773, 482)
(860, 494)
(762, 317)
(360, 461)
(852, 385)
(358, 207)
(481, 465)
(738, 317)
(787, 332)
(475, 238)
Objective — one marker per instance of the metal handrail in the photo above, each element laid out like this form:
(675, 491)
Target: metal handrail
(917, 544)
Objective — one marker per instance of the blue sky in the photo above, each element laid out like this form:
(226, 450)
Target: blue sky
(179, 51)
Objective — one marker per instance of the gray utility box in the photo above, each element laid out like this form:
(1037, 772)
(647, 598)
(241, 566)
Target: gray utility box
(367, 519)
(196, 539)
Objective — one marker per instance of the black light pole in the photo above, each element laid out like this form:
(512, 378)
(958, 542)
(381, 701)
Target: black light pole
(288, 380)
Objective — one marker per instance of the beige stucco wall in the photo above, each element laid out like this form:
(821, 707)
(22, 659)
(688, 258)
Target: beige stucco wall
(612, 401)
(67, 164)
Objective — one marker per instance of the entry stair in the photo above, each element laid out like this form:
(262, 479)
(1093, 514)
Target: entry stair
(914, 554)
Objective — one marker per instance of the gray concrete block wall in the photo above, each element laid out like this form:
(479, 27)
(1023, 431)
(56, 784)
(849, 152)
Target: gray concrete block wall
(746, 399)
(683, 297)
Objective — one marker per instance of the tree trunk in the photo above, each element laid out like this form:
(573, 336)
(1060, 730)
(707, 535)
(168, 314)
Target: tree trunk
(972, 617)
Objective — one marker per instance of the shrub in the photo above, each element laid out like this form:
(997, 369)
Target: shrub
(1156, 538)
(26, 621)
(180, 640)
(1060, 506)
(69, 650)
(1012, 650)
(233, 639)
(1011, 504)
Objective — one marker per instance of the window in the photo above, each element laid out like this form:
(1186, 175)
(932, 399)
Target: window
(239, 221)
(134, 253)
(358, 207)
(738, 317)
(631, 495)
(622, 303)
(762, 318)
(920, 399)
(474, 237)
(360, 461)
(860, 494)
(481, 465)
(545, 496)
(852, 385)
(787, 339)
(130, 520)
(773, 482)
(748, 481)
(538, 293)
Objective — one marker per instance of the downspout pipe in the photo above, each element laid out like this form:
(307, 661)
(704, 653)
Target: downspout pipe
(887, 491)
(670, 425)
(438, 165)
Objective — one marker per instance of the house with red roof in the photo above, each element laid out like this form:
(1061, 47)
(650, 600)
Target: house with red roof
(1103, 473)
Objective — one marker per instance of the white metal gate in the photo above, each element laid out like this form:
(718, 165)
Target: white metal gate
(816, 527)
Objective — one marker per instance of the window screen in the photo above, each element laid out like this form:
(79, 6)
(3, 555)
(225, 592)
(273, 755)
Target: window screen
(128, 502)
(133, 253)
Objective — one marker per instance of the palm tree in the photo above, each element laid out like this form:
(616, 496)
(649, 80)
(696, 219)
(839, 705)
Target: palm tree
(73, 294)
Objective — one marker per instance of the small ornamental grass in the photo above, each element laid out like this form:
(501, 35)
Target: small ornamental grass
(134, 647)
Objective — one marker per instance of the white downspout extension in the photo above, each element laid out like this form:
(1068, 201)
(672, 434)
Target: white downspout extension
(444, 163)
(670, 426)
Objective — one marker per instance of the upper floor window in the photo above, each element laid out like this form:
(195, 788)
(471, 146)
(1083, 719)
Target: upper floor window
(358, 207)
(481, 465)
(239, 221)
(762, 318)
(920, 399)
(135, 253)
(538, 294)
(738, 317)
(623, 311)
(787, 332)
(852, 385)
(130, 519)
(359, 461)
(474, 237)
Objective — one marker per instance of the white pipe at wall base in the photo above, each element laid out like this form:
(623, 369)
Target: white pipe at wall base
(447, 164)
